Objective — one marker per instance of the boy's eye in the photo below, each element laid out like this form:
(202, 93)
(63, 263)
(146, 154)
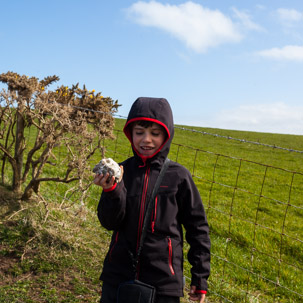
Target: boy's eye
(139, 133)
(155, 134)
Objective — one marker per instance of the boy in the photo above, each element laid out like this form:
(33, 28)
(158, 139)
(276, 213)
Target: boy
(150, 130)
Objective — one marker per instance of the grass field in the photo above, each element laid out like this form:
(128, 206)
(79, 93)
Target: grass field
(252, 195)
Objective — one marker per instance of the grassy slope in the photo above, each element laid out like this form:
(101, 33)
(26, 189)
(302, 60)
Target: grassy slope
(48, 254)
(54, 254)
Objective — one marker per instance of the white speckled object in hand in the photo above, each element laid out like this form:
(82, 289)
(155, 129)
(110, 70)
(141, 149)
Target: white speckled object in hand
(110, 166)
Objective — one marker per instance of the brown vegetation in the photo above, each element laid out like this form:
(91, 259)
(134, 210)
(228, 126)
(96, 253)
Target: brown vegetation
(75, 118)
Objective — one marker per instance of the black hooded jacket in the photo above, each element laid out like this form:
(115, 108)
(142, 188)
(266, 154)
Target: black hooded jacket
(178, 203)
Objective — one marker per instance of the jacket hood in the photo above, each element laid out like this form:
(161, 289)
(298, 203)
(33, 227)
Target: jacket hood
(156, 110)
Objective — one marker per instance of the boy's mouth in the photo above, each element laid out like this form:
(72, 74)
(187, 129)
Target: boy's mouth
(147, 147)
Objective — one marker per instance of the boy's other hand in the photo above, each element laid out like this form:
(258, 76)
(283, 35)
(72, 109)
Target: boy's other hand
(193, 296)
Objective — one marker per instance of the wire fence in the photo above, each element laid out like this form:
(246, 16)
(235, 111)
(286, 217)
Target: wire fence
(255, 214)
(200, 132)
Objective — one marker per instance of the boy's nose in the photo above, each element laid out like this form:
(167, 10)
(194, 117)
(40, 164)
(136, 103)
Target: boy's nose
(147, 138)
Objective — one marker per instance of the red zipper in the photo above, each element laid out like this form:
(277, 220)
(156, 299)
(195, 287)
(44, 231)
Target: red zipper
(153, 222)
(142, 205)
(114, 244)
(170, 256)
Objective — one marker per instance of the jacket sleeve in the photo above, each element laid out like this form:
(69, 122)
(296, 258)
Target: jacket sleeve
(111, 207)
(197, 233)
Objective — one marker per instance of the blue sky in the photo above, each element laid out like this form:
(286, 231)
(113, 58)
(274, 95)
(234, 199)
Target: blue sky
(223, 64)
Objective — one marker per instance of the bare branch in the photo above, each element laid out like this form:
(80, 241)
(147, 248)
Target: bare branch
(57, 179)
(6, 152)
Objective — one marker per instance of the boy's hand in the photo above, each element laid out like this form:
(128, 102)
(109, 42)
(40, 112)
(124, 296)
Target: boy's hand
(104, 181)
(196, 297)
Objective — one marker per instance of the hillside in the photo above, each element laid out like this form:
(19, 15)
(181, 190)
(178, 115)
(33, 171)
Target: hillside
(52, 248)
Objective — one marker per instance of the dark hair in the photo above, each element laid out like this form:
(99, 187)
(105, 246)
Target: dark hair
(143, 123)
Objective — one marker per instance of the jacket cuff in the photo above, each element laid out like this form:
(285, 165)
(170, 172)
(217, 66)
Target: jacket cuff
(198, 291)
(200, 283)
(111, 188)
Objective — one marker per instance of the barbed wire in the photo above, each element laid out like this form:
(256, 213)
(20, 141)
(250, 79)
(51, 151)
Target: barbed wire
(240, 140)
(95, 111)
(206, 133)
(191, 130)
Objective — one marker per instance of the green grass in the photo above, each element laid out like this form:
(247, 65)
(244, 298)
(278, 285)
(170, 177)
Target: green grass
(252, 195)
(253, 199)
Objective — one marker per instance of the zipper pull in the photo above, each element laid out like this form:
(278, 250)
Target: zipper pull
(153, 226)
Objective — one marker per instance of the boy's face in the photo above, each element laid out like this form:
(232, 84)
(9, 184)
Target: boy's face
(148, 140)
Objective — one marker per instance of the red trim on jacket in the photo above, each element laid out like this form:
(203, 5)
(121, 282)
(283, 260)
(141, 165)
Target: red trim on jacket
(128, 134)
(154, 215)
(170, 256)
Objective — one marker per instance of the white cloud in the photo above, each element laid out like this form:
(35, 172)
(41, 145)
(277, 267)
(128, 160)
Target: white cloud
(246, 20)
(289, 15)
(260, 6)
(275, 118)
(289, 52)
(198, 27)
